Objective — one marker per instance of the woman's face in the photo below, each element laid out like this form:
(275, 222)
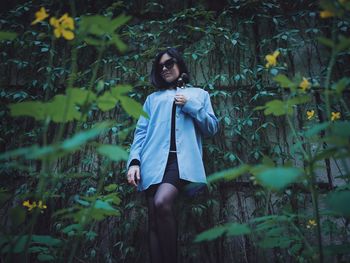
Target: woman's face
(168, 68)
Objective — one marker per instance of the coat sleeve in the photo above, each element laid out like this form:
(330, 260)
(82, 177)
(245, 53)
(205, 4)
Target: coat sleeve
(139, 135)
(203, 114)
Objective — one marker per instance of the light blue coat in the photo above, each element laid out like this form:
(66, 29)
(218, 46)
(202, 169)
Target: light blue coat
(152, 136)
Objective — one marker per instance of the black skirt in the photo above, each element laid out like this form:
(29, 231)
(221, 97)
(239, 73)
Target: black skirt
(171, 175)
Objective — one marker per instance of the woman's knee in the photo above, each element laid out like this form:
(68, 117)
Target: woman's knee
(162, 207)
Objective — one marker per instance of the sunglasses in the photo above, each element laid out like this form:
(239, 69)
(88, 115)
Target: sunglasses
(169, 64)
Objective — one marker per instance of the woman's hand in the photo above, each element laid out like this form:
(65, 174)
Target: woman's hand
(180, 99)
(134, 175)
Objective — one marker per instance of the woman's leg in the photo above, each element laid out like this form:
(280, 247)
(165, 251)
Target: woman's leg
(165, 221)
(154, 248)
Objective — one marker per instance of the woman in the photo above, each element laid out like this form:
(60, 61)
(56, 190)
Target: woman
(166, 153)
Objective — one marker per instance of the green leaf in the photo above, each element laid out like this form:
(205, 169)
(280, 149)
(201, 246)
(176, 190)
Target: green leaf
(338, 202)
(111, 187)
(119, 21)
(42, 152)
(119, 43)
(326, 41)
(113, 152)
(297, 100)
(106, 102)
(72, 228)
(276, 107)
(341, 129)
(235, 229)
(18, 241)
(285, 82)
(229, 174)
(7, 35)
(45, 257)
(19, 245)
(35, 109)
(328, 153)
(100, 30)
(344, 43)
(67, 146)
(93, 42)
(341, 85)
(120, 90)
(132, 107)
(316, 129)
(112, 198)
(230, 229)
(99, 204)
(62, 109)
(18, 152)
(81, 96)
(278, 178)
(47, 240)
(211, 234)
(100, 211)
(82, 137)
(82, 202)
(38, 249)
(279, 107)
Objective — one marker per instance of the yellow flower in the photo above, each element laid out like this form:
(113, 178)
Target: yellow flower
(305, 84)
(26, 203)
(311, 223)
(67, 22)
(310, 114)
(54, 22)
(272, 59)
(40, 16)
(33, 205)
(63, 26)
(335, 116)
(326, 14)
(41, 206)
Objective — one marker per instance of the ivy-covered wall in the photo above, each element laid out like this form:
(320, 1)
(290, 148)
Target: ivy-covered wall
(225, 44)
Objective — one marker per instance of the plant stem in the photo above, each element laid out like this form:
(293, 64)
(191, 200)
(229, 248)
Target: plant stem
(70, 84)
(267, 202)
(306, 156)
(88, 212)
(314, 196)
(92, 81)
(329, 73)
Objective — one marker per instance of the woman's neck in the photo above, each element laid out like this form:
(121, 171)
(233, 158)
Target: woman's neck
(172, 85)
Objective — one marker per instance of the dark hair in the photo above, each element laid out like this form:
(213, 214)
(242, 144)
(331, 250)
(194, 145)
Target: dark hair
(156, 79)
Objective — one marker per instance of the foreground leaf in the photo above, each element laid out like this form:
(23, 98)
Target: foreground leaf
(278, 178)
(230, 229)
(229, 174)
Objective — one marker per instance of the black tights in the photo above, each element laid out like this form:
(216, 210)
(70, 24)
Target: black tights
(162, 226)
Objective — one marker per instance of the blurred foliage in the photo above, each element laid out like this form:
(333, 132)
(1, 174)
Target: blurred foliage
(57, 150)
